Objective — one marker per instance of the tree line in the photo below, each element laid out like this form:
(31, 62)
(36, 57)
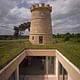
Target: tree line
(68, 36)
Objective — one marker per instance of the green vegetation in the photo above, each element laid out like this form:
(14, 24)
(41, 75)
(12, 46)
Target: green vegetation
(20, 29)
(11, 48)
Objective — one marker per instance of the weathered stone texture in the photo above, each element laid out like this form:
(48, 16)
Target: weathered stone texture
(41, 24)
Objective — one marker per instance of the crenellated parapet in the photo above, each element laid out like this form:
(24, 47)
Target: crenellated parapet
(42, 6)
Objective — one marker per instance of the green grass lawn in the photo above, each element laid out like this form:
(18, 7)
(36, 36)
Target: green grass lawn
(11, 48)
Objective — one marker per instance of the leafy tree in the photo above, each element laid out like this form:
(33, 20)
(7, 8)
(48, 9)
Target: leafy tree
(77, 37)
(16, 33)
(21, 28)
(27, 25)
(72, 35)
(62, 35)
(67, 36)
(58, 35)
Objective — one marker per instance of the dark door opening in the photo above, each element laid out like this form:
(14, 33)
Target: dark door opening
(33, 66)
(40, 39)
(36, 65)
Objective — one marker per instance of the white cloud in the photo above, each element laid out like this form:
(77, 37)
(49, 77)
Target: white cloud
(13, 17)
(26, 32)
(19, 14)
(65, 14)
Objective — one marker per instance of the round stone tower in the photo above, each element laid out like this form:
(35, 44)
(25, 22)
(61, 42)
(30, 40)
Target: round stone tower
(41, 28)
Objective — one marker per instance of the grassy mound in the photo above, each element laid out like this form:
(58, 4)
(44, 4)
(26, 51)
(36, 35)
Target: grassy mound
(11, 48)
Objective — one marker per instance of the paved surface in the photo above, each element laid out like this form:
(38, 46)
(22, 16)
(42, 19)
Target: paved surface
(38, 77)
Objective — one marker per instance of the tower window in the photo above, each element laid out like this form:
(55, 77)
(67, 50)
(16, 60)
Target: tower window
(32, 37)
(40, 39)
(41, 13)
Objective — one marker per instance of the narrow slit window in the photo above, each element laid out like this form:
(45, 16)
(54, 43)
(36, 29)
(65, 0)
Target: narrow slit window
(32, 37)
(40, 39)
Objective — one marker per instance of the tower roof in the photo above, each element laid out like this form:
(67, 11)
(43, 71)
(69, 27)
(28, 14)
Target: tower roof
(43, 6)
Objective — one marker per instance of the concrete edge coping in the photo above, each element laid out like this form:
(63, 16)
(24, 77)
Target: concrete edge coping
(77, 69)
(41, 50)
(67, 60)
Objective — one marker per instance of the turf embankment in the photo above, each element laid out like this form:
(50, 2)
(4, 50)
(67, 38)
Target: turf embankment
(11, 48)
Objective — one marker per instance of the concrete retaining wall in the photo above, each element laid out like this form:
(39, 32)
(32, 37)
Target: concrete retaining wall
(72, 70)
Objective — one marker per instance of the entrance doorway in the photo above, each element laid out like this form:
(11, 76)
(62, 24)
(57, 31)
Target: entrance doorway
(40, 39)
(37, 67)
(33, 66)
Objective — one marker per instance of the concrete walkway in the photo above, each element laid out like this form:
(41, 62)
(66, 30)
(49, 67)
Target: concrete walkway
(39, 77)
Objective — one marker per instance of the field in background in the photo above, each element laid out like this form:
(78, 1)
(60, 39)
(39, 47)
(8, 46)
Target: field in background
(11, 48)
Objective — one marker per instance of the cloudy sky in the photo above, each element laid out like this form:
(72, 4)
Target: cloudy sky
(65, 15)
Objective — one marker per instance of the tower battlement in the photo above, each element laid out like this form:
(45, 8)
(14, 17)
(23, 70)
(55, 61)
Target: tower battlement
(42, 6)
